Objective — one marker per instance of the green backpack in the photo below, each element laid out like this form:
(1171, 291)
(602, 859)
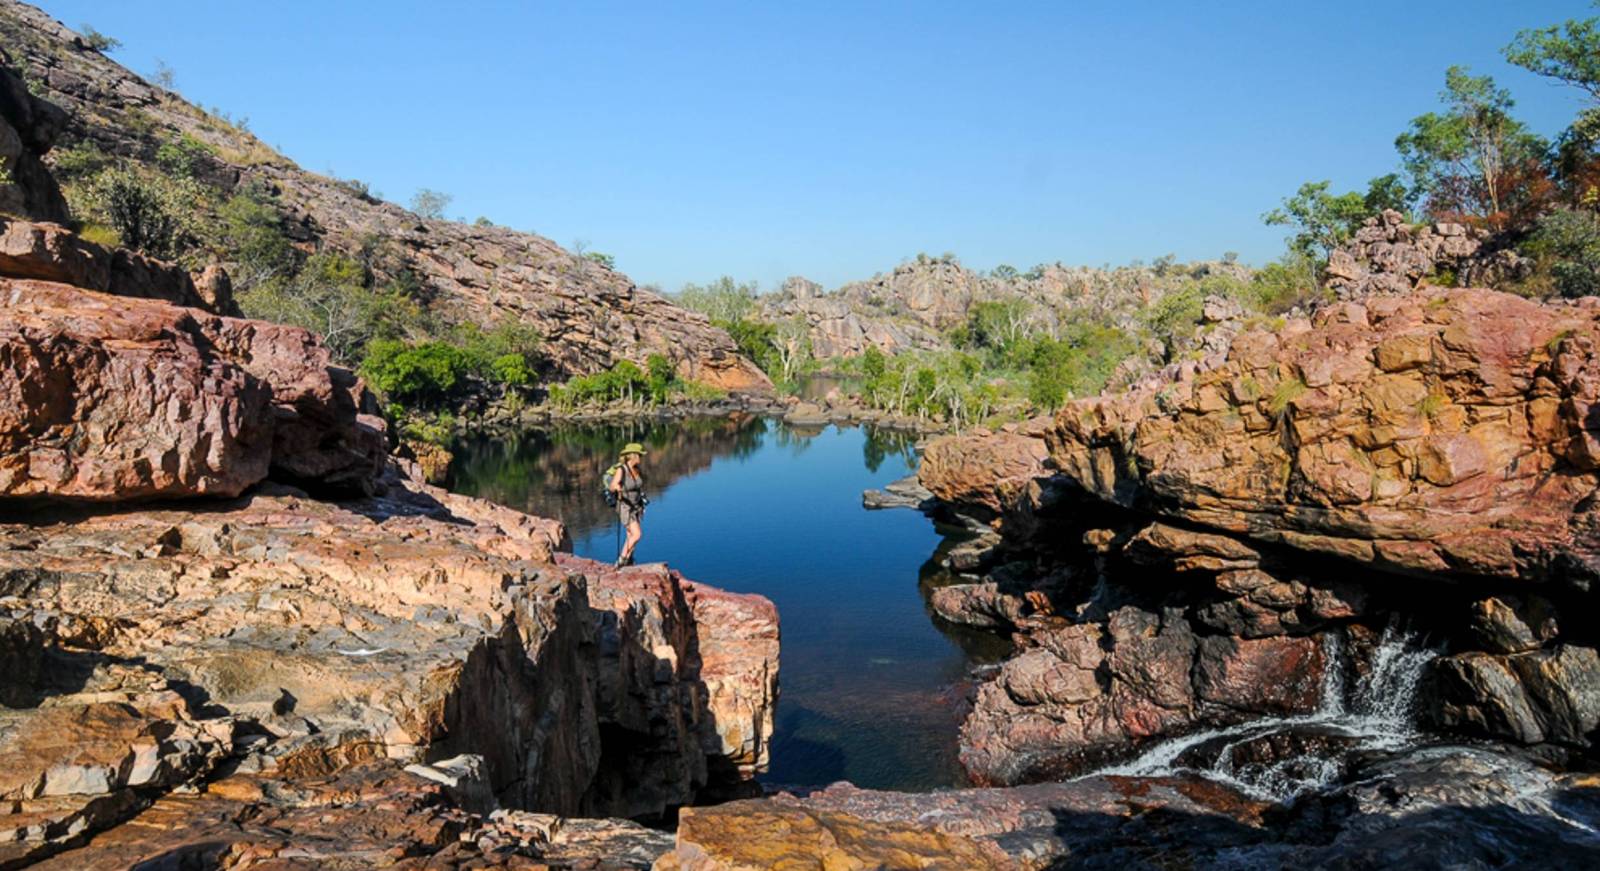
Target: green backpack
(605, 485)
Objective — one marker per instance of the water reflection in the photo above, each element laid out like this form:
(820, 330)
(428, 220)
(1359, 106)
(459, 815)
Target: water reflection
(873, 686)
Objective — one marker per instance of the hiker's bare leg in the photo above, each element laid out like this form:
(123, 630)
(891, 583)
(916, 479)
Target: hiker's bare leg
(634, 534)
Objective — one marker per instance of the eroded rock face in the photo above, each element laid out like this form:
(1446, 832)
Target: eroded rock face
(110, 399)
(688, 685)
(1442, 433)
(299, 638)
(589, 316)
(28, 128)
(983, 473)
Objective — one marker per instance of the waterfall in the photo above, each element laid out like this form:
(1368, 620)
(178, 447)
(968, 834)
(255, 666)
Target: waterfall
(1377, 715)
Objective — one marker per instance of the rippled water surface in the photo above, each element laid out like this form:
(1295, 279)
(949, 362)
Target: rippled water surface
(870, 685)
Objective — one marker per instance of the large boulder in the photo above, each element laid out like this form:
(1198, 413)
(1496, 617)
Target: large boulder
(108, 399)
(51, 252)
(28, 128)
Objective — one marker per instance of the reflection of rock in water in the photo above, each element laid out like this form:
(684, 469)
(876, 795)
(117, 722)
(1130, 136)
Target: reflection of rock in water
(557, 471)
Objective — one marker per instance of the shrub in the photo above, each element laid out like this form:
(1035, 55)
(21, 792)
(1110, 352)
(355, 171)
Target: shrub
(422, 374)
(605, 260)
(511, 370)
(145, 214)
(182, 156)
(98, 41)
(1567, 246)
(659, 377)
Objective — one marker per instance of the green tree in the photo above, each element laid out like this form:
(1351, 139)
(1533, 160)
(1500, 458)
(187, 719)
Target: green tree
(424, 374)
(1567, 245)
(605, 260)
(1323, 221)
(98, 41)
(1567, 52)
(429, 203)
(659, 377)
(1464, 159)
(723, 301)
(146, 213)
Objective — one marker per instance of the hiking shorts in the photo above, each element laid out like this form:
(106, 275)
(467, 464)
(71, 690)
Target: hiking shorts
(629, 513)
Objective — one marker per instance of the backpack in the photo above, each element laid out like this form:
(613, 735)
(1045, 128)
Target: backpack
(605, 485)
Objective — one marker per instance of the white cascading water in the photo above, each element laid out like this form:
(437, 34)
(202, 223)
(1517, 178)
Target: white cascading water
(1378, 715)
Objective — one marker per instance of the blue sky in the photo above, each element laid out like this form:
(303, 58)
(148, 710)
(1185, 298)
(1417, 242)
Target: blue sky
(833, 140)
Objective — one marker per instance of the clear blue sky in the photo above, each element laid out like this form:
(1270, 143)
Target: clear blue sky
(833, 140)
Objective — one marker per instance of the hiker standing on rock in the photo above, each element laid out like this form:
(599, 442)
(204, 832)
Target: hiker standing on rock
(627, 485)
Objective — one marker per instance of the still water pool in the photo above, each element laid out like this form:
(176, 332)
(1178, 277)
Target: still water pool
(871, 684)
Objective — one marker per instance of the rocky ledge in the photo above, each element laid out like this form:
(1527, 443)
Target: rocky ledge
(1219, 545)
(211, 661)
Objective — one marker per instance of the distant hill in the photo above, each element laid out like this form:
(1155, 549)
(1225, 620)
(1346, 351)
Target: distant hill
(588, 314)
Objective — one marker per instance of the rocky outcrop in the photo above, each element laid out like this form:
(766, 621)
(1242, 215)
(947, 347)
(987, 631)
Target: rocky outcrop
(1183, 559)
(50, 252)
(1454, 807)
(688, 685)
(837, 329)
(589, 315)
(1390, 256)
(246, 640)
(28, 128)
(294, 638)
(1444, 433)
(107, 399)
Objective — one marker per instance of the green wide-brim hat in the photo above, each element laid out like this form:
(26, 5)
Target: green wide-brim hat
(632, 448)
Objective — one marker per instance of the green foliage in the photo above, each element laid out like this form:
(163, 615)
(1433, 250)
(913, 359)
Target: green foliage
(605, 260)
(1324, 221)
(1432, 404)
(623, 382)
(511, 370)
(1463, 159)
(436, 428)
(756, 340)
(724, 301)
(249, 234)
(98, 41)
(100, 234)
(1568, 53)
(423, 374)
(1566, 245)
(1285, 283)
(333, 296)
(81, 161)
(659, 377)
(1285, 393)
(146, 213)
(183, 156)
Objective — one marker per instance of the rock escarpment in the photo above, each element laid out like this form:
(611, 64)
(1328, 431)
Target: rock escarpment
(915, 305)
(182, 611)
(590, 315)
(1191, 550)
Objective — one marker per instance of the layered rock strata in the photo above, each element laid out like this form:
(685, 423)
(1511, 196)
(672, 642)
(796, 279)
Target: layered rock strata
(1188, 551)
(237, 637)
